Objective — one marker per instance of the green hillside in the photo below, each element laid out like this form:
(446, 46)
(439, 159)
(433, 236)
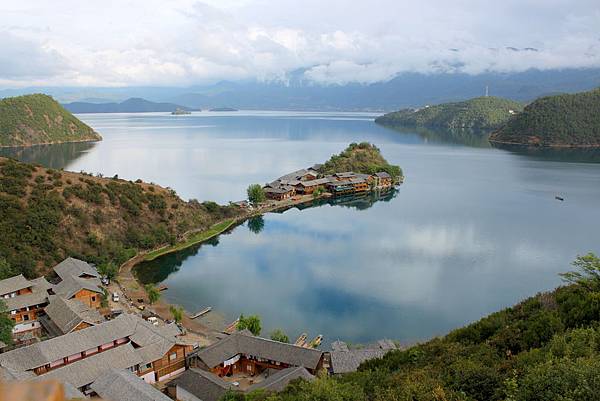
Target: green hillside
(561, 120)
(47, 215)
(481, 113)
(361, 158)
(39, 119)
(545, 348)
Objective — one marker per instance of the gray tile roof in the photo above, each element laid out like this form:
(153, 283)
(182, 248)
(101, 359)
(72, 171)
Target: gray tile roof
(383, 174)
(87, 370)
(348, 361)
(71, 392)
(204, 385)
(67, 314)
(75, 267)
(339, 346)
(279, 190)
(13, 284)
(140, 332)
(238, 343)
(278, 381)
(71, 285)
(38, 296)
(7, 374)
(122, 385)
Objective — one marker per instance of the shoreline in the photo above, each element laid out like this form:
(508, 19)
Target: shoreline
(542, 146)
(133, 289)
(49, 143)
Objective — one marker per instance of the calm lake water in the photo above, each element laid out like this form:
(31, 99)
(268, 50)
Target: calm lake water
(472, 230)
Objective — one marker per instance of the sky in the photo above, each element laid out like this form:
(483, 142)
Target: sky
(112, 43)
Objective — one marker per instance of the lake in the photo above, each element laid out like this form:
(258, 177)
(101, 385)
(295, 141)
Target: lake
(473, 229)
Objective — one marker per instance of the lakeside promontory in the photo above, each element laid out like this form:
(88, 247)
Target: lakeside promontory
(568, 120)
(482, 113)
(39, 119)
(47, 215)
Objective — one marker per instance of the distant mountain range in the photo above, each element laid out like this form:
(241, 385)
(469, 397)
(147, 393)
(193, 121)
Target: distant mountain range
(296, 92)
(132, 105)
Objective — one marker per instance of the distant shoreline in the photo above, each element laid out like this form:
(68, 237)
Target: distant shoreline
(50, 143)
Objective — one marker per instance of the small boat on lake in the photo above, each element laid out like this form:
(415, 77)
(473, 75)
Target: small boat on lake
(559, 198)
(301, 341)
(201, 313)
(315, 342)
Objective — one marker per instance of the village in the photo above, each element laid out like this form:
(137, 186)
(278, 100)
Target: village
(310, 182)
(71, 331)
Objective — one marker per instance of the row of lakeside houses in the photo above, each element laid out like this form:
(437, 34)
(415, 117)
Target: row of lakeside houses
(126, 358)
(307, 181)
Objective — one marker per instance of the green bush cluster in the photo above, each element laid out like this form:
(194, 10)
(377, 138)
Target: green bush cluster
(363, 158)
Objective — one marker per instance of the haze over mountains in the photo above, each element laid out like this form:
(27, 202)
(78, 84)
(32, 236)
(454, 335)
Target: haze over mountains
(299, 93)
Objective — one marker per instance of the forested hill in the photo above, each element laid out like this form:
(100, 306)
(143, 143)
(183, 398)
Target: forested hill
(479, 114)
(363, 158)
(545, 348)
(47, 215)
(39, 119)
(562, 120)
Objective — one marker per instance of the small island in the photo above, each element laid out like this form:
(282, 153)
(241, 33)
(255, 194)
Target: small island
(360, 168)
(482, 113)
(555, 121)
(38, 120)
(180, 112)
(223, 109)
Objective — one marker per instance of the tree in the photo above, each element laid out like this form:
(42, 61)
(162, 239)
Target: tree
(6, 271)
(6, 324)
(256, 194)
(177, 312)
(279, 335)
(251, 323)
(256, 224)
(587, 274)
(153, 293)
(109, 270)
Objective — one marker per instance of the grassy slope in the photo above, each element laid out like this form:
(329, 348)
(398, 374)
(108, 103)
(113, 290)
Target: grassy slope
(478, 113)
(36, 119)
(361, 158)
(46, 215)
(562, 120)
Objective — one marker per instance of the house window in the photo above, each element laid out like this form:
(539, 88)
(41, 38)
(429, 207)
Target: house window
(148, 366)
(173, 356)
(93, 299)
(13, 312)
(25, 317)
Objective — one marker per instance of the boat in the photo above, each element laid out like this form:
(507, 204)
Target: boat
(559, 198)
(315, 342)
(180, 112)
(301, 340)
(201, 313)
(162, 288)
(232, 326)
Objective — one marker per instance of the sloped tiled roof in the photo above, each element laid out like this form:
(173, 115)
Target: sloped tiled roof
(238, 343)
(76, 268)
(67, 314)
(87, 370)
(203, 385)
(279, 380)
(71, 285)
(122, 385)
(349, 361)
(13, 284)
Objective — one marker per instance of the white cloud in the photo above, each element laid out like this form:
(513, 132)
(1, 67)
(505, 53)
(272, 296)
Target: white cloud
(182, 42)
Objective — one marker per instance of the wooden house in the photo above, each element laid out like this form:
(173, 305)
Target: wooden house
(280, 193)
(25, 301)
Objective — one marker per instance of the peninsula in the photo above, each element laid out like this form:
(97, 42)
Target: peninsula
(555, 121)
(131, 105)
(38, 119)
(482, 113)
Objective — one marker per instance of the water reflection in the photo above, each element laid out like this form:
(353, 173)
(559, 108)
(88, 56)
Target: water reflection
(466, 137)
(572, 155)
(160, 269)
(53, 156)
